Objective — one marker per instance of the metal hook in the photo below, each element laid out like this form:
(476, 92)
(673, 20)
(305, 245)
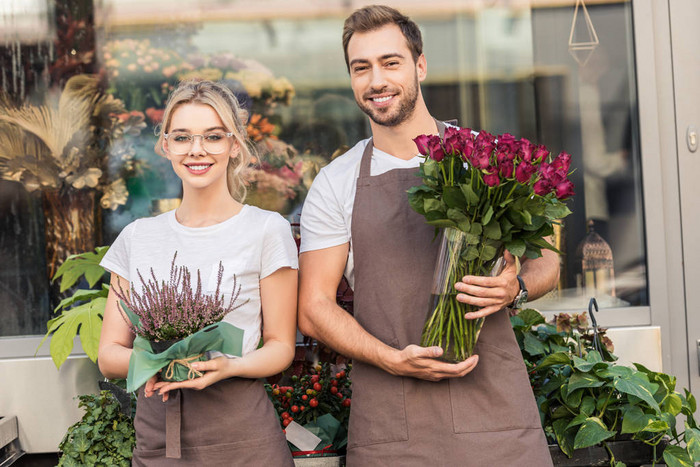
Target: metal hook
(596, 340)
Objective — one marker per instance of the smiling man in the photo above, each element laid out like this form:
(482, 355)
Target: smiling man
(409, 408)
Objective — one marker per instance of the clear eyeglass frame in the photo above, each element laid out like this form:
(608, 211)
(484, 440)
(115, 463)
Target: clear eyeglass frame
(191, 138)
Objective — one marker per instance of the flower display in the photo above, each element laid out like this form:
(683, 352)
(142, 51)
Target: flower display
(488, 194)
(175, 324)
(320, 401)
(176, 308)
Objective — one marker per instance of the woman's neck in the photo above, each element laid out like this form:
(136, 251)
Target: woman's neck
(202, 208)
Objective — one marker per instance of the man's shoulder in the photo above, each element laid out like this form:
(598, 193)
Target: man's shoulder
(346, 163)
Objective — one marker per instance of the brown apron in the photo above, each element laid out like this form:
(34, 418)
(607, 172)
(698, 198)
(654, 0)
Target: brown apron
(229, 423)
(487, 418)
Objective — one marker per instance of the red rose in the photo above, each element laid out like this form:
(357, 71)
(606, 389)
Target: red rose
(524, 172)
(422, 142)
(436, 152)
(565, 189)
(540, 154)
(561, 163)
(491, 177)
(525, 149)
(468, 150)
(542, 187)
(505, 168)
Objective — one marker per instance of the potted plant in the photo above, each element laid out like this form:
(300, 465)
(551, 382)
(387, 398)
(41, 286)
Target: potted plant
(588, 401)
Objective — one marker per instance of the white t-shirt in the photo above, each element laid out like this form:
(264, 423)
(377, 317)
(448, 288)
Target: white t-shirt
(326, 217)
(252, 245)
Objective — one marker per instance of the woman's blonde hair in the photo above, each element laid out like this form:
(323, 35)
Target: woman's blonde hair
(220, 98)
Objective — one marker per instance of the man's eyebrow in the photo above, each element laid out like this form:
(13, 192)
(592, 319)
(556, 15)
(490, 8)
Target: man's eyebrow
(355, 61)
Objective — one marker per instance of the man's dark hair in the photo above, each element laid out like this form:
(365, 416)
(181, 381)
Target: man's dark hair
(374, 17)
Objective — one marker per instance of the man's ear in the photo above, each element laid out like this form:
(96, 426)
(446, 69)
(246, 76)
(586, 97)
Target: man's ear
(421, 67)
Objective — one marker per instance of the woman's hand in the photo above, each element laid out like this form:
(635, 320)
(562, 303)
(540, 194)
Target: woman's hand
(213, 371)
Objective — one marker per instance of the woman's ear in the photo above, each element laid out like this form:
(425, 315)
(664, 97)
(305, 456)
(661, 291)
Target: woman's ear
(235, 150)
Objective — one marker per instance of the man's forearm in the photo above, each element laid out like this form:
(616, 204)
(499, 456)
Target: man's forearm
(327, 322)
(540, 275)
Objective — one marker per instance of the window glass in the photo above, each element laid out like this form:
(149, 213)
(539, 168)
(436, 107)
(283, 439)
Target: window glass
(552, 72)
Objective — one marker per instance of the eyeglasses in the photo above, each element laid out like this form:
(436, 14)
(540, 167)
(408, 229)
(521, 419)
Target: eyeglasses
(180, 143)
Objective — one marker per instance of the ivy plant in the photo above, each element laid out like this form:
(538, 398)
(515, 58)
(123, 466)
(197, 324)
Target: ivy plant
(103, 437)
(586, 399)
(80, 313)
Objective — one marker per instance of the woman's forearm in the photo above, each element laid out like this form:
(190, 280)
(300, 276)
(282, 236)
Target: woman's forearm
(272, 358)
(113, 360)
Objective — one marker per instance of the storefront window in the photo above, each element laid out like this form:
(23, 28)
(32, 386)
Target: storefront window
(501, 69)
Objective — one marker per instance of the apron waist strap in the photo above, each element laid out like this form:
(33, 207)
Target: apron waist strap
(173, 412)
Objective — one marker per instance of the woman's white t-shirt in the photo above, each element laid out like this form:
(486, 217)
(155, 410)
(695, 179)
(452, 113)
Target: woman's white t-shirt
(252, 245)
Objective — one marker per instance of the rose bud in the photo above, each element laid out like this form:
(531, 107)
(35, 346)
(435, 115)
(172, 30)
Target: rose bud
(542, 187)
(524, 172)
(422, 143)
(436, 152)
(491, 177)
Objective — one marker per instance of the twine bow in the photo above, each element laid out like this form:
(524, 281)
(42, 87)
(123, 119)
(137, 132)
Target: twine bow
(187, 363)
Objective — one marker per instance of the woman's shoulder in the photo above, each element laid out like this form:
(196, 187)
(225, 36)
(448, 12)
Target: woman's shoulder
(148, 225)
(263, 218)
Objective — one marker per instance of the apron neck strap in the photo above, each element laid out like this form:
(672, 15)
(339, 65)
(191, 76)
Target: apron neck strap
(365, 164)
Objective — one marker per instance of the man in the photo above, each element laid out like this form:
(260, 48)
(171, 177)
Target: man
(408, 408)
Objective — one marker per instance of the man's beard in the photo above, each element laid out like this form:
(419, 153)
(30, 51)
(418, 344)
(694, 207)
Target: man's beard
(407, 105)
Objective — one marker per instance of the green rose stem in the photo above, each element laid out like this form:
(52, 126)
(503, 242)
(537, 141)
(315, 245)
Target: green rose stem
(447, 327)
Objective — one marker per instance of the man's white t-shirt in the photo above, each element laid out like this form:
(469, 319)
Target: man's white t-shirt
(326, 217)
(252, 245)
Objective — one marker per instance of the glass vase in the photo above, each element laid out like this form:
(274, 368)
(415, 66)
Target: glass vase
(446, 326)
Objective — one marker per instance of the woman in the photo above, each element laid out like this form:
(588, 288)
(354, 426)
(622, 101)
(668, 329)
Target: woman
(223, 417)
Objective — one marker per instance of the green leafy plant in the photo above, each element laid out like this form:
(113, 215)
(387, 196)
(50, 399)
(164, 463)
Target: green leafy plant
(587, 399)
(103, 437)
(81, 313)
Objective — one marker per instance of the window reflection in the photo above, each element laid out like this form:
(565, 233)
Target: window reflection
(500, 69)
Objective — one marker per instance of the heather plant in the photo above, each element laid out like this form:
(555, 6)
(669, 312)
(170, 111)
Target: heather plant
(174, 309)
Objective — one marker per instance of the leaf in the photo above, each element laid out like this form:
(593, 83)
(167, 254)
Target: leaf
(584, 365)
(437, 219)
(634, 419)
(592, 432)
(75, 266)
(516, 247)
(583, 380)
(676, 456)
(488, 215)
(471, 198)
(556, 211)
(81, 295)
(459, 218)
(673, 404)
(65, 327)
(565, 438)
(558, 358)
(587, 406)
(692, 440)
(611, 371)
(453, 197)
(638, 387)
(432, 204)
(533, 345)
(531, 317)
(492, 230)
(470, 253)
(487, 253)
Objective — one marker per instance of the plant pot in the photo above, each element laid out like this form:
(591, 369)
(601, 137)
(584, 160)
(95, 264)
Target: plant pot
(324, 461)
(162, 346)
(631, 452)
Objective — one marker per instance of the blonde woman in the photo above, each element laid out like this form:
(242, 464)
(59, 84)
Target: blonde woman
(223, 417)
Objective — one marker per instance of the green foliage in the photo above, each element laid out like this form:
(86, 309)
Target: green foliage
(81, 313)
(103, 437)
(586, 399)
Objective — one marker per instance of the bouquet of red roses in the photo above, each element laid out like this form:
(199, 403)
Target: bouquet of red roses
(488, 194)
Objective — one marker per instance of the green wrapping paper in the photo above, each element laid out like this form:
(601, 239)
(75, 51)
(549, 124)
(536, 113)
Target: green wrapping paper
(144, 362)
(331, 432)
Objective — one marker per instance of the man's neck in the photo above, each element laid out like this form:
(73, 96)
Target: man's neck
(398, 140)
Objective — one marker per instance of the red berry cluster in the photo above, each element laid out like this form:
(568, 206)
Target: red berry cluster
(311, 395)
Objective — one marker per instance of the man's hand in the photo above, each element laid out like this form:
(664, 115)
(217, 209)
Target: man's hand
(420, 362)
(490, 293)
